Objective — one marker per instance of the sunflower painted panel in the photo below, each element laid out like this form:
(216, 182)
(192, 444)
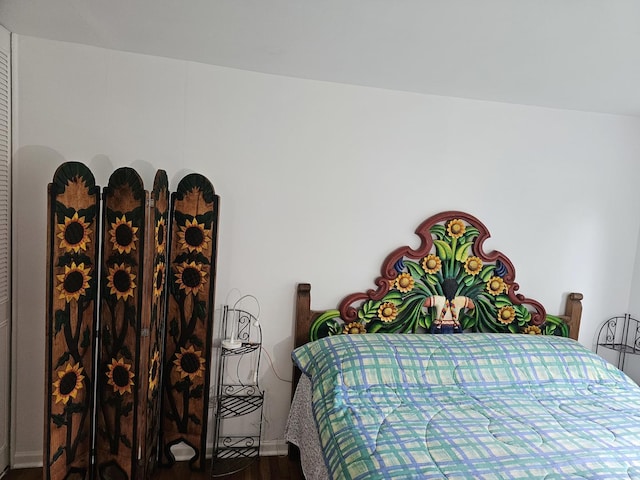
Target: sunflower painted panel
(449, 284)
(73, 212)
(189, 318)
(121, 314)
(153, 321)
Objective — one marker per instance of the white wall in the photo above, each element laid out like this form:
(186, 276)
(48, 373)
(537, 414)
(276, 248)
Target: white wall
(318, 183)
(634, 302)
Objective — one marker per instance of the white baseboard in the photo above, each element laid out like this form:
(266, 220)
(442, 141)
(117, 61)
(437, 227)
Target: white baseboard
(274, 448)
(27, 459)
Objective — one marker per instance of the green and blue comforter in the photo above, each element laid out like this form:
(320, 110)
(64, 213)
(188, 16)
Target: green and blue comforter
(470, 406)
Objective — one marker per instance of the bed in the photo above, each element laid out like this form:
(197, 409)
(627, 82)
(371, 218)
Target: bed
(445, 370)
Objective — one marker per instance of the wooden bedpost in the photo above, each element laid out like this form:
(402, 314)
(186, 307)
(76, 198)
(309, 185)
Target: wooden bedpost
(573, 313)
(301, 336)
(303, 314)
(302, 324)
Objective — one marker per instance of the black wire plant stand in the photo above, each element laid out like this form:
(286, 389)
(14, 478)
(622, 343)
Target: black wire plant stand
(239, 351)
(620, 334)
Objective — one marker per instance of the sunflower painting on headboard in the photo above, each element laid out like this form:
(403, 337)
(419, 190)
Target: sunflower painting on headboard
(449, 284)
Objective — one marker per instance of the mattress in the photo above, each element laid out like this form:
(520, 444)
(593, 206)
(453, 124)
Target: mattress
(481, 406)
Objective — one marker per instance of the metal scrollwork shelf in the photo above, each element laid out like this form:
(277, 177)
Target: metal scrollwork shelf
(236, 443)
(621, 335)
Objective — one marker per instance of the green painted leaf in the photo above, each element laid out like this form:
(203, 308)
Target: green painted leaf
(444, 249)
(334, 327)
(469, 280)
(471, 232)
(422, 288)
(467, 322)
(415, 270)
(487, 272)
(556, 326)
(432, 279)
(502, 301)
(523, 312)
(325, 324)
(462, 253)
(438, 230)
(370, 309)
(392, 296)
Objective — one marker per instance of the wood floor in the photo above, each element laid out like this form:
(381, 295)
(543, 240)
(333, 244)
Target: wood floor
(265, 468)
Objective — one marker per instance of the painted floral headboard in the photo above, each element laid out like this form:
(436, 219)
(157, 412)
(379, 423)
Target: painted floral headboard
(448, 284)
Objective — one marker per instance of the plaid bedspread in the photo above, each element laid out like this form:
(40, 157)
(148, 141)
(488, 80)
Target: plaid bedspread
(471, 406)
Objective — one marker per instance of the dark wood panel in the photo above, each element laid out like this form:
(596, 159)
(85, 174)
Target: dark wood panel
(73, 213)
(191, 286)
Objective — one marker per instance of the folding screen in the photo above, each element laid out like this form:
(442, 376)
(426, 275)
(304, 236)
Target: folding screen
(73, 218)
(124, 294)
(189, 318)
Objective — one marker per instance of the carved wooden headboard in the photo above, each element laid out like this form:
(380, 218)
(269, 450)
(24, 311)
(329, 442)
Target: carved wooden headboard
(448, 284)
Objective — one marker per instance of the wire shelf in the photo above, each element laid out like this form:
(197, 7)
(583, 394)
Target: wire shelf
(237, 406)
(620, 334)
(242, 350)
(235, 396)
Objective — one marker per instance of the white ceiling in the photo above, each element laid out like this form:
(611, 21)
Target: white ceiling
(573, 54)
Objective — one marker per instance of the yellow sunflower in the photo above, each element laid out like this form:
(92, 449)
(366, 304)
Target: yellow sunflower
(405, 282)
(190, 277)
(158, 279)
(532, 330)
(123, 235)
(193, 236)
(154, 370)
(392, 284)
(354, 328)
(473, 265)
(189, 363)
(74, 234)
(496, 285)
(456, 228)
(161, 228)
(387, 312)
(70, 380)
(74, 282)
(506, 314)
(120, 376)
(431, 263)
(121, 281)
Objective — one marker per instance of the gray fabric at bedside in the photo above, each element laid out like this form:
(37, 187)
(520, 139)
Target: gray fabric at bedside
(301, 431)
